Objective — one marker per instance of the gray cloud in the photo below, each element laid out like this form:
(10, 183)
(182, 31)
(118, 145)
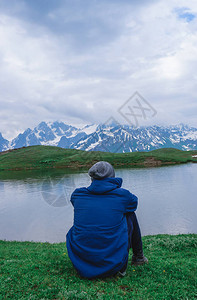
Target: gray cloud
(79, 62)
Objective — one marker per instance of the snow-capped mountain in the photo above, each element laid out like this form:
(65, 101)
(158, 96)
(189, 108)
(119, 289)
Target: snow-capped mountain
(111, 138)
(129, 139)
(3, 143)
(52, 134)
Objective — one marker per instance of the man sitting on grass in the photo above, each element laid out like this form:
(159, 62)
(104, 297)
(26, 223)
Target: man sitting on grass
(105, 226)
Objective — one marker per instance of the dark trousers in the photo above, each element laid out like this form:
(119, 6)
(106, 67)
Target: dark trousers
(134, 236)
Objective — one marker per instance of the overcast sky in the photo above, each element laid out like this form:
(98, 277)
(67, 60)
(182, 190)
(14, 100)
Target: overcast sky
(79, 61)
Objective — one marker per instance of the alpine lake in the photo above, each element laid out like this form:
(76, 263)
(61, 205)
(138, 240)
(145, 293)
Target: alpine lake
(35, 205)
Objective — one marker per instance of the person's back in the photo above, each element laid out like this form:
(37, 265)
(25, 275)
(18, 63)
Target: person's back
(98, 241)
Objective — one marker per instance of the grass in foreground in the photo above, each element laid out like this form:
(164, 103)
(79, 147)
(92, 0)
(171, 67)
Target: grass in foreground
(49, 157)
(43, 271)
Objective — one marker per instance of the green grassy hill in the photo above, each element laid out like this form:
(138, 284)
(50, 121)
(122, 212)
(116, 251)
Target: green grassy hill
(48, 157)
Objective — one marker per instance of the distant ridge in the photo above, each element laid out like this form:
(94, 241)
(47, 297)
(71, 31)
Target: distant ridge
(108, 138)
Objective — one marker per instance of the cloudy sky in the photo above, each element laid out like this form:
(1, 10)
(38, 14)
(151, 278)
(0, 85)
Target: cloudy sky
(79, 61)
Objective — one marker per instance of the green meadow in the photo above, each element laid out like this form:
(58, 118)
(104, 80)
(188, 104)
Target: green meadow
(32, 270)
(48, 157)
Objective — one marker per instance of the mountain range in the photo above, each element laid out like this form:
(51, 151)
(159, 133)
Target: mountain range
(102, 137)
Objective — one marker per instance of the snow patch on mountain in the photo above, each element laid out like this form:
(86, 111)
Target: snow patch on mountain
(88, 129)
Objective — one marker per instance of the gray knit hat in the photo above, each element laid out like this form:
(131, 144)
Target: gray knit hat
(101, 169)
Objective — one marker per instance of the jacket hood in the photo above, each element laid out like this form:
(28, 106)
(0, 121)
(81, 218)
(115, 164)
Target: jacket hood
(101, 186)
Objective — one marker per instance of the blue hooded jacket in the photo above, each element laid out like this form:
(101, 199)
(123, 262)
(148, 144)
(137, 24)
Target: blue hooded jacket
(97, 243)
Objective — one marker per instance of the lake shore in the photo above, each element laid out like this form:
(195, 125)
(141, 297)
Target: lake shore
(49, 157)
(32, 270)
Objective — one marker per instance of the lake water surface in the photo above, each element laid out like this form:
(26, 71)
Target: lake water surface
(37, 208)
